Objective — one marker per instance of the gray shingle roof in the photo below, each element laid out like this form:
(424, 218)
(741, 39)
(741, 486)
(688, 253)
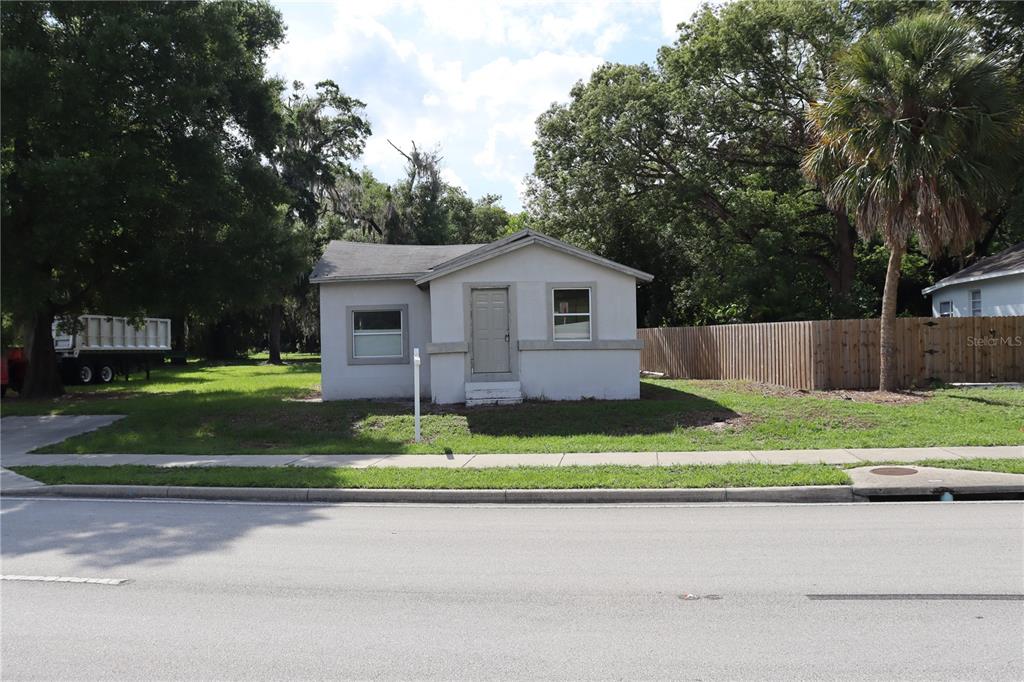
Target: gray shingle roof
(362, 261)
(355, 261)
(1007, 261)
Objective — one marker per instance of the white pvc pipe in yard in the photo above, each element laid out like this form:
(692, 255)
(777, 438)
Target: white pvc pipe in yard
(416, 389)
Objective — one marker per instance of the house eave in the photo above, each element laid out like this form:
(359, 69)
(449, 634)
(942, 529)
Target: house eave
(967, 280)
(411, 276)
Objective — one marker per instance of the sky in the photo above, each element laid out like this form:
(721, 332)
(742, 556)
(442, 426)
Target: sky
(469, 77)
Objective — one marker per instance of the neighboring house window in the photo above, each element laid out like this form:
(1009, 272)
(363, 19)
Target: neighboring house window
(377, 334)
(945, 309)
(976, 303)
(571, 314)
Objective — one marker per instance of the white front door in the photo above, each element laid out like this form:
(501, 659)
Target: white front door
(490, 327)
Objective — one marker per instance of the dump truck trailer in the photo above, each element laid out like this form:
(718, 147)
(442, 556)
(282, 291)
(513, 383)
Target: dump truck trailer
(102, 347)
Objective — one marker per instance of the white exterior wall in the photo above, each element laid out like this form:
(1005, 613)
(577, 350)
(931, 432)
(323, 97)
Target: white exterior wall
(1000, 297)
(576, 374)
(342, 381)
(543, 374)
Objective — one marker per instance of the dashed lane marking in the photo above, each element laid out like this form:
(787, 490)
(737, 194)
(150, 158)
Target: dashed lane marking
(65, 579)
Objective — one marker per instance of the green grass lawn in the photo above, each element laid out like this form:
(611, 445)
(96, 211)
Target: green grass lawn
(249, 407)
(720, 476)
(682, 476)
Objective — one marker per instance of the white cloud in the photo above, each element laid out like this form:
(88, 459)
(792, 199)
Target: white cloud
(525, 26)
(609, 37)
(471, 77)
(452, 178)
(674, 12)
(310, 48)
(531, 83)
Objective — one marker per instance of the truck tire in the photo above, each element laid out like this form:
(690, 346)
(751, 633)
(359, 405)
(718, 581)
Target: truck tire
(85, 374)
(106, 374)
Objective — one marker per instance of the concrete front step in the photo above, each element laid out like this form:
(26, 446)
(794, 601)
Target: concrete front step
(493, 393)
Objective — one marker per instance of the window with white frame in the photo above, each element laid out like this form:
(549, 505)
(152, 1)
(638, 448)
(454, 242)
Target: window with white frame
(377, 334)
(976, 303)
(945, 309)
(571, 314)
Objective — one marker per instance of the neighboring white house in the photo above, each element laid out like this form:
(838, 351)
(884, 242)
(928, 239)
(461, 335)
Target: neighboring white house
(994, 286)
(526, 316)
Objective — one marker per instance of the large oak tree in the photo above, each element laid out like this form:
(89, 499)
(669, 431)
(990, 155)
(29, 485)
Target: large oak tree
(135, 139)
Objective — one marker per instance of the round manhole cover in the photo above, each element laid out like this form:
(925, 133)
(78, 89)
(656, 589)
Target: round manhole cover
(893, 471)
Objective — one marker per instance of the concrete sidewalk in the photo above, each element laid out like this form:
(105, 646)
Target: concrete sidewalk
(835, 456)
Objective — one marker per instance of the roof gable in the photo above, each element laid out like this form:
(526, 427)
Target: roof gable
(1007, 262)
(519, 240)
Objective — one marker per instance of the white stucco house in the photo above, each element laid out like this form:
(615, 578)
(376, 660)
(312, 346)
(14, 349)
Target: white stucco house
(994, 286)
(526, 316)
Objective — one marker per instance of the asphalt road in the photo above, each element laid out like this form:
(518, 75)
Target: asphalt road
(267, 591)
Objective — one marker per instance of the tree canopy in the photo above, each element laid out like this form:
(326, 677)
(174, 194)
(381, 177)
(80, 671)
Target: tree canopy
(690, 167)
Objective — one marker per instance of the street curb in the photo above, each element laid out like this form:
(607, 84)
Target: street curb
(932, 490)
(515, 496)
(782, 494)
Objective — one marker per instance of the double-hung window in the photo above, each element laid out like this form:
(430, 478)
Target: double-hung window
(945, 309)
(976, 303)
(378, 335)
(571, 314)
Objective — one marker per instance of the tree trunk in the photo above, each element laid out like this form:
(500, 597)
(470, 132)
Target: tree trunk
(179, 338)
(179, 332)
(276, 318)
(220, 341)
(887, 375)
(846, 265)
(42, 377)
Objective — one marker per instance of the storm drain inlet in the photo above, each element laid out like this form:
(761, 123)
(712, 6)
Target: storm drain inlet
(916, 597)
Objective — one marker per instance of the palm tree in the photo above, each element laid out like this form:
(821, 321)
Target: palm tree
(915, 138)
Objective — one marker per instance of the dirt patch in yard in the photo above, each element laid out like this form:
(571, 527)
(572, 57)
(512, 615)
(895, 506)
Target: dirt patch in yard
(857, 396)
(733, 422)
(715, 421)
(313, 395)
(879, 397)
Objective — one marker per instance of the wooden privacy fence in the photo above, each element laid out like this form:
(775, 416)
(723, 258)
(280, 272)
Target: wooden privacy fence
(830, 354)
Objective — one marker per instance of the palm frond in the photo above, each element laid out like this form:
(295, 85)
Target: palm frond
(917, 133)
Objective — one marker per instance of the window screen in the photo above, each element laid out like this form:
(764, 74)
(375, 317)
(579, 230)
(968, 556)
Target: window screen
(377, 334)
(571, 314)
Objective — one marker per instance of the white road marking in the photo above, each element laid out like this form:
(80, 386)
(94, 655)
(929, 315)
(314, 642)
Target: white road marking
(65, 579)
